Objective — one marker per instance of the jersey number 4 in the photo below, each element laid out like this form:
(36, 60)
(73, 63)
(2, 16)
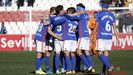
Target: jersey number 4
(71, 27)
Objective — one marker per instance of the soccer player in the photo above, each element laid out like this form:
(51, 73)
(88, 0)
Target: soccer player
(57, 25)
(70, 42)
(105, 21)
(92, 23)
(40, 44)
(49, 44)
(40, 40)
(83, 38)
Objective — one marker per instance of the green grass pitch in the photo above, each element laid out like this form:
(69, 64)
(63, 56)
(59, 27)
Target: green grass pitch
(23, 63)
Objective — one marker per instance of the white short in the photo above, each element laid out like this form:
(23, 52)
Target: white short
(40, 46)
(104, 44)
(70, 45)
(84, 43)
(49, 45)
(58, 45)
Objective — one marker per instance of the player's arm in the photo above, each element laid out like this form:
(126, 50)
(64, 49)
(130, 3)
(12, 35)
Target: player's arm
(68, 16)
(57, 20)
(53, 34)
(115, 31)
(77, 13)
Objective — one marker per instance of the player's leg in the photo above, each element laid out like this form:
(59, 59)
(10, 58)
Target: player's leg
(89, 59)
(73, 56)
(102, 53)
(40, 51)
(57, 55)
(86, 49)
(58, 48)
(47, 62)
(66, 51)
(106, 54)
(62, 55)
(80, 54)
(49, 48)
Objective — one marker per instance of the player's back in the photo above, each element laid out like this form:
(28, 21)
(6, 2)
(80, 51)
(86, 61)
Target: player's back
(105, 19)
(83, 25)
(41, 32)
(58, 22)
(68, 26)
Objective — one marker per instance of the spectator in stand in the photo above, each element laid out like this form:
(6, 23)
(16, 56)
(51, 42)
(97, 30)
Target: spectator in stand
(30, 2)
(3, 29)
(119, 3)
(8, 2)
(1, 3)
(20, 3)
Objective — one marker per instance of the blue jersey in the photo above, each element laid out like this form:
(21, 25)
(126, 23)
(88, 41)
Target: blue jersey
(69, 34)
(105, 20)
(41, 32)
(57, 23)
(82, 24)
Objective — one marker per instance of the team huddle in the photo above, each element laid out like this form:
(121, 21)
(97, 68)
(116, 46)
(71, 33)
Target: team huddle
(67, 33)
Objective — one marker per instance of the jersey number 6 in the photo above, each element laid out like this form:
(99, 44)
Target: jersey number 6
(108, 26)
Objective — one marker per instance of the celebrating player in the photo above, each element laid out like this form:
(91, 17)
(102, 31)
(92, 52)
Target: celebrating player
(83, 41)
(49, 44)
(57, 23)
(70, 42)
(105, 22)
(40, 44)
(92, 23)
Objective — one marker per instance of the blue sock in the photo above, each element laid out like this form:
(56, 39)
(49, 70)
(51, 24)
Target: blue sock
(105, 61)
(78, 61)
(47, 62)
(104, 69)
(73, 62)
(57, 61)
(38, 63)
(67, 58)
(84, 60)
(63, 63)
(85, 68)
(89, 58)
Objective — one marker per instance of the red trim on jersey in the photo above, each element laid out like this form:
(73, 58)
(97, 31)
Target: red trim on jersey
(80, 26)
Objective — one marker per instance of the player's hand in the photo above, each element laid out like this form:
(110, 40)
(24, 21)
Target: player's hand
(74, 29)
(91, 38)
(117, 40)
(60, 38)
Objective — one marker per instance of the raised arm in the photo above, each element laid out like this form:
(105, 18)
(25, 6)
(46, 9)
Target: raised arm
(76, 17)
(57, 20)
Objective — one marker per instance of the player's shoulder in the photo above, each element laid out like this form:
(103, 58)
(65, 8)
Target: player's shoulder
(75, 22)
(84, 16)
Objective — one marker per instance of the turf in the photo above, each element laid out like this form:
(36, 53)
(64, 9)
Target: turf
(23, 63)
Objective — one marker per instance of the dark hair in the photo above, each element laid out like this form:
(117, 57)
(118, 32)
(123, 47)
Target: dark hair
(72, 9)
(58, 9)
(2, 23)
(52, 9)
(81, 5)
(105, 1)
